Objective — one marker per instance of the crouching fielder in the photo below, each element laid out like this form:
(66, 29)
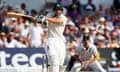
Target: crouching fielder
(86, 56)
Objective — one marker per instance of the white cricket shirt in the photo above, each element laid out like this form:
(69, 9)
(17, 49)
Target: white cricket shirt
(86, 54)
(56, 30)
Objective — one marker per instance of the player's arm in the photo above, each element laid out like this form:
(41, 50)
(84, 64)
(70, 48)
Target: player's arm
(77, 53)
(55, 20)
(92, 59)
(76, 57)
(95, 55)
(42, 38)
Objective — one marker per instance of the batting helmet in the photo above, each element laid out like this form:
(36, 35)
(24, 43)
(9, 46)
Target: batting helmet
(58, 6)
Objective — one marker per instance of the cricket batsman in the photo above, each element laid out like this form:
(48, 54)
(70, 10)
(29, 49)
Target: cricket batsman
(55, 44)
(86, 56)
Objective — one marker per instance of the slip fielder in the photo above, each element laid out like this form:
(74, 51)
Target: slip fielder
(86, 56)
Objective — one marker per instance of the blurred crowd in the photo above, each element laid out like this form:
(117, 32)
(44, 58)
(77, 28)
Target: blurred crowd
(102, 24)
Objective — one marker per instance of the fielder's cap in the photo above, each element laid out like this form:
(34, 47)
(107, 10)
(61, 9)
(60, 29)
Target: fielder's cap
(58, 6)
(86, 37)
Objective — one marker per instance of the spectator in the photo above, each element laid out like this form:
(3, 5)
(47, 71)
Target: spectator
(19, 10)
(33, 13)
(113, 10)
(86, 32)
(18, 27)
(92, 34)
(47, 8)
(76, 4)
(74, 13)
(90, 8)
(23, 7)
(69, 25)
(10, 9)
(102, 24)
(9, 24)
(113, 43)
(101, 43)
(107, 35)
(115, 32)
(80, 29)
(86, 23)
(35, 35)
(3, 18)
(25, 31)
(93, 21)
(67, 33)
(116, 3)
(109, 24)
(74, 9)
(3, 39)
(72, 46)
(107, 13)
(66, 3)
(100, 39)
(11, 42)
(79, 20)
(69, 21)
(21, 43)
(101, 10)
(117, 22)
(113, 20)
(72, 33)
(77, 34)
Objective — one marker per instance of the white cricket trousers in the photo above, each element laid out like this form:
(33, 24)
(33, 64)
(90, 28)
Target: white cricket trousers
(95, 66)
(55, 50)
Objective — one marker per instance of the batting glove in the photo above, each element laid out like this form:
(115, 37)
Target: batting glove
(41, 19)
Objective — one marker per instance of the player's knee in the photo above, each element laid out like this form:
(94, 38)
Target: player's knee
(53, 60)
